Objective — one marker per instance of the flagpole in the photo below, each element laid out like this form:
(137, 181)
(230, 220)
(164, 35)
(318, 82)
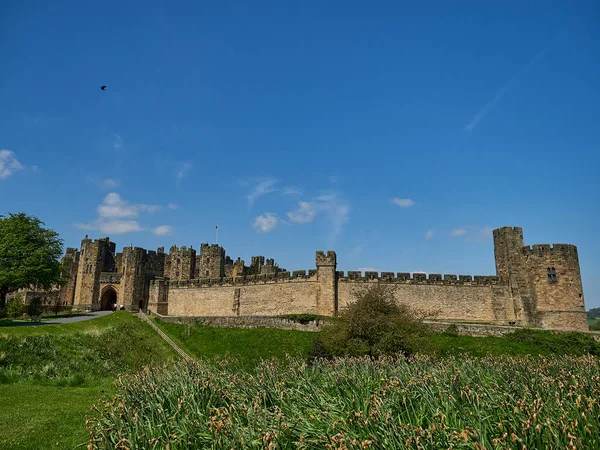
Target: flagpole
(217, 240)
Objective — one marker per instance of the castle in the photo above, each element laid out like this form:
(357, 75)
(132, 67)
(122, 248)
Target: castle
(536, 286)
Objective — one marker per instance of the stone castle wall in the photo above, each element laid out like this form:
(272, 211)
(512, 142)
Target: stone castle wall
(534, 286)
(249, 299)
(467, 301)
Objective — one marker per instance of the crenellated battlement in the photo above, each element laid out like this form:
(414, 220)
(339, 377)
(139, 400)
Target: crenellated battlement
(182, 251)
(211, 249)
(322, 259)
(406, 278)
(564, 249)
(244, 280)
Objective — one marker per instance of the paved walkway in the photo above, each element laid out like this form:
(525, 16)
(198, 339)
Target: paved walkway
(79, 318)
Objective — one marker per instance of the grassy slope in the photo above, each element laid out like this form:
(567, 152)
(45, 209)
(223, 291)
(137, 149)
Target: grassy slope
(246, 345)
(249, 345)
(36, 411)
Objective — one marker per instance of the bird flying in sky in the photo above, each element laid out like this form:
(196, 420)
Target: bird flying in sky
(103, 88)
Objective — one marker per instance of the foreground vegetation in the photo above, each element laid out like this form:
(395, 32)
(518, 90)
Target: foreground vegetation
(246, 346)
(50, 375)
(425, 402)
(78, 353)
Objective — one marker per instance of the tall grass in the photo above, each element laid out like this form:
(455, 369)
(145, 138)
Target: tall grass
(423, 402)
(125, 344)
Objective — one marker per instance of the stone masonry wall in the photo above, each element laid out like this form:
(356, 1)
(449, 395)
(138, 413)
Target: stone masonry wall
(459, 301)
(266, 299)
(555, 282)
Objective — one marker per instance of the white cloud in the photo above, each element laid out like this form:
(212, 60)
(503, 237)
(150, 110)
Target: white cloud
(367, 269)
(112, 226)
(106, 183)
(428, 234)
(403, 202)
(115, 215)
(458, 232)
(115, 207)
(172, 206)
(305, 213)
(184, 169)
(8, 163)
(162, 230)
(266, 222)
(291, 190)
(262, 187)
(338, 211)
(117, 141)
(109, 183)
(481, 235)
(503, 91)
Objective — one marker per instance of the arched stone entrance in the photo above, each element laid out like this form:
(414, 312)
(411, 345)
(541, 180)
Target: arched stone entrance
(108, 299)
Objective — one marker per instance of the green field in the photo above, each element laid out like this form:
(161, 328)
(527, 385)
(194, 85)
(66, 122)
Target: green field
(51, 375)
(246, 346)
(34, 416)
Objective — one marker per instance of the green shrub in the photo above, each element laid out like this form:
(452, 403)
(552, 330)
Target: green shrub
(595, 326)
(35, 308)
(16, 307)
(559, 343)
(452, 330)
(374, 325)
(301, 318)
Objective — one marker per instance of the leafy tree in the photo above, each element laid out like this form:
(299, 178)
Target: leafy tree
(29, 255)
(593, 313)
(374, 325)
(56, 305)
(35, 308)
(16, 307)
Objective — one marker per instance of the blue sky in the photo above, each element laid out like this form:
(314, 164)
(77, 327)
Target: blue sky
(398, 134)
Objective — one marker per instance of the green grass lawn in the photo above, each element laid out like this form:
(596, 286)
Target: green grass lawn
(522, 342)
(51, 375)
(36, 417)
(248, 346)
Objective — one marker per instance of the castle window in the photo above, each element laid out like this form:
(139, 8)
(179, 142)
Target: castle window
(177, 273)
(207, 260)
(551, 272)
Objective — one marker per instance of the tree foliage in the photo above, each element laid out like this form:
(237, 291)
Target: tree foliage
(593, 313)
(35, 308)
(29, 255)
(16, 307)
(374, 325)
